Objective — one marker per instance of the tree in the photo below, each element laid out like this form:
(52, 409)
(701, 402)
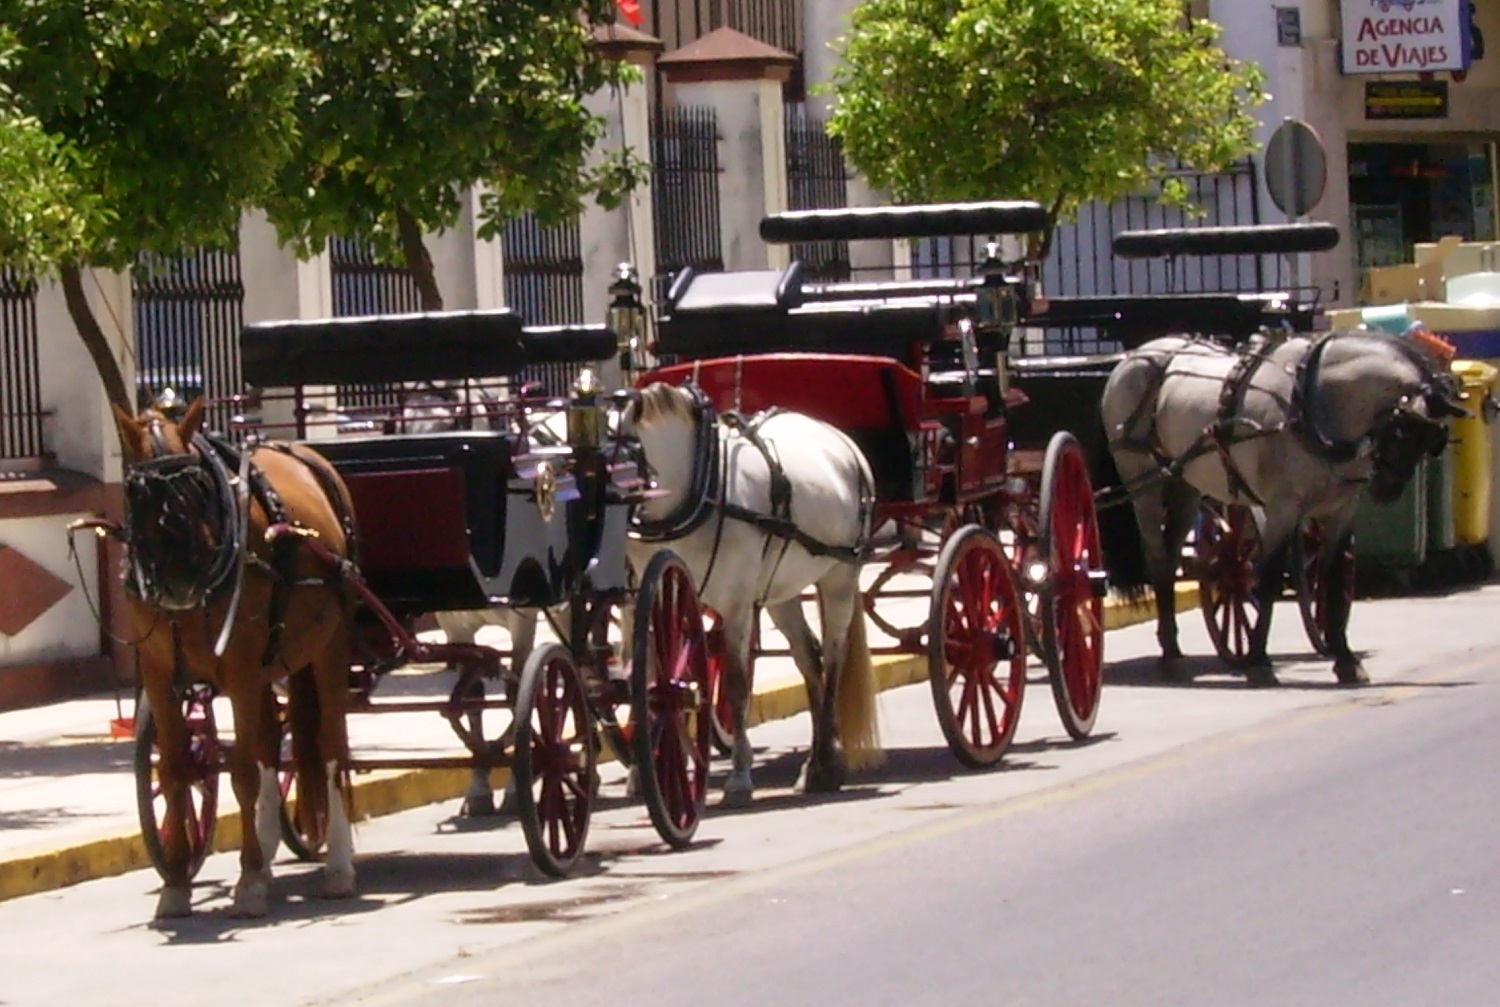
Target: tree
(1058, 101)
(413, 103)
(139, 126)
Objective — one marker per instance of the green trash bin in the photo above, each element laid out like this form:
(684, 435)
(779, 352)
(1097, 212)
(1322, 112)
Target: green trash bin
(1441, 533)
(1393, 536)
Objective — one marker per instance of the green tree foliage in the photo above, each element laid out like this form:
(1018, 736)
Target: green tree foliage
(1058, 101)
(412, 103)
(140, 126)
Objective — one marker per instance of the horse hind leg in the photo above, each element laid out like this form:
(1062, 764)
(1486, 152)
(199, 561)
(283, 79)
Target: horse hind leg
(824, 771)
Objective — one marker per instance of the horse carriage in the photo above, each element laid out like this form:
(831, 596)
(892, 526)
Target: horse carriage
(997, 535)
(236, 550)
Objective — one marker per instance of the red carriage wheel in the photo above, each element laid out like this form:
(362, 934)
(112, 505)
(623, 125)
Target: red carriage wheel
(555, 759)
(671, 710)
(1225, 544)
(1307, 580)
(1072, 595)
(722, 722)
(976, 647)
(205, 761)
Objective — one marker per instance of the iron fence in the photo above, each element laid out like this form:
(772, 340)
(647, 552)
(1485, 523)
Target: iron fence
(1082, 263)
(20, 379)
(363, 285)
(188, 311)
(817, 179)
(685, 193)
(774, 22)
(544, 285)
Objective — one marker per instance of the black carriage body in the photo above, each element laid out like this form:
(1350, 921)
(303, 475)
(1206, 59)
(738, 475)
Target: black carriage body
(460, 519)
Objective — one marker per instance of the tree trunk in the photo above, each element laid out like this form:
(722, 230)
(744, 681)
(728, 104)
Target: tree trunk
(94, 339)
(418, 261)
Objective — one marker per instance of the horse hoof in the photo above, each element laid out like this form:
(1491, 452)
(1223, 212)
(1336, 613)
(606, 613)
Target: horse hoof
(738, 798)
(1168, 672)
(251, 899)
(1351, 673)
(174, 903)
(478, 806)
(1261, 678)
(338, 884)
(822, 779)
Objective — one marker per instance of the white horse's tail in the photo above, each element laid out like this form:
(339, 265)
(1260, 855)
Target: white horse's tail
(858, 712)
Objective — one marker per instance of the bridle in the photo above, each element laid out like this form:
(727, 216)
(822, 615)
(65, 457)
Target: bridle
(180, 510)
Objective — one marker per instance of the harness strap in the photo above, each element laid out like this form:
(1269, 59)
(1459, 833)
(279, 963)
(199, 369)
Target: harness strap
(1224, 432)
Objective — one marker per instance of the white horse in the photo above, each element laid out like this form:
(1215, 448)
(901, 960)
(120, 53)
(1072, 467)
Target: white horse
(1294, 429)
(760, 510)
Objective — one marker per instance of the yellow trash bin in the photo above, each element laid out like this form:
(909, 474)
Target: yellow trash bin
(1473, 457)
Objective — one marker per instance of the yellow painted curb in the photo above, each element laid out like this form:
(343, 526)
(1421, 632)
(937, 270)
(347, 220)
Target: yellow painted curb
(388, 792)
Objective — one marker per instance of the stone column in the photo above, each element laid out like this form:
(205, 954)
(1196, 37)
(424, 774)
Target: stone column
(824, 23)
(741, 80)
(280, 286)
(624, 234)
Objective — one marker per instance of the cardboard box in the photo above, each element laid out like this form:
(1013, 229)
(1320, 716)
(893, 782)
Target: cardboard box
(1419, 281)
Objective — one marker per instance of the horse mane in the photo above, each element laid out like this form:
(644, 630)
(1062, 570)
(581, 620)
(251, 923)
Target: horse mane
(659, 401)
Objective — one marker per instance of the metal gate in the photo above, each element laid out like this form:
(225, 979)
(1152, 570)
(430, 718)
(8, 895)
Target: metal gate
(20, 379)
(363, 285)
(685, 193)
(544, 285)
(188, 311)
(817, 179)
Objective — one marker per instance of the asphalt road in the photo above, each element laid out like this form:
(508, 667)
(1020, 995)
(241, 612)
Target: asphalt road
(1213, 845)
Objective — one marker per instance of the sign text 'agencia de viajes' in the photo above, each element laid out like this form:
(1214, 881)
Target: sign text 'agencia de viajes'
(1405, 36)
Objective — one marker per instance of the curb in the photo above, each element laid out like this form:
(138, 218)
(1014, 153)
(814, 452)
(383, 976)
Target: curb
(387, 792)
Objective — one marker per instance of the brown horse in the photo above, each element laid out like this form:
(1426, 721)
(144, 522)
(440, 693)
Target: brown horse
(233, 578)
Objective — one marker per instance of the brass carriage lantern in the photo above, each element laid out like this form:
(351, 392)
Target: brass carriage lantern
(586, 419)
(998, 311)
(627, 316)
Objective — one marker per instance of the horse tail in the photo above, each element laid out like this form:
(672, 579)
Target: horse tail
(304, 717)
(858, 713)
(1124, 553)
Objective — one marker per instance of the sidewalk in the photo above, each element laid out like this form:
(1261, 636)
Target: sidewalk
(67, 792)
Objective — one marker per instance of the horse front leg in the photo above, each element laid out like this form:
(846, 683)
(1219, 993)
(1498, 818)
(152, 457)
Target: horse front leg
(1270, 576)
(253, 771)
(172, 777)
(739, 786)
(1338, 602)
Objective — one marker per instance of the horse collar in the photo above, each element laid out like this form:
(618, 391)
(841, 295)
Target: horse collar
(1305, 424)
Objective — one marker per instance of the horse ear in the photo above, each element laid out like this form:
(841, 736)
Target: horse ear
(192, 421)
(130, 429)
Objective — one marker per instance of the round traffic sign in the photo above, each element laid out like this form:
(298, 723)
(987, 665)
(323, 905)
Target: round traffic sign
(1296, 168)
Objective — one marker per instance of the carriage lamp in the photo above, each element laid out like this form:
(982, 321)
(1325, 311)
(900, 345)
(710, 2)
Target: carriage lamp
(627, 314)
(586, 419)
(997, 294)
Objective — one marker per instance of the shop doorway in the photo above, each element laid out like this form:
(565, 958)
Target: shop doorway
(1402, 194)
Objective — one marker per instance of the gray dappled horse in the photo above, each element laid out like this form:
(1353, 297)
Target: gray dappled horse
(1295, 429)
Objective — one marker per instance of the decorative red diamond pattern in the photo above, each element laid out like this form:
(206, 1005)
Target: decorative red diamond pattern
(26, 590)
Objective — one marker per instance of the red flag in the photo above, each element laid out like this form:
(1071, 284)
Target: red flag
(631, 9)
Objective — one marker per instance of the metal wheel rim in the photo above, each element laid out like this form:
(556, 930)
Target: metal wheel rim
(1073, 628)
(974, 603)
(205, 762)
(554, 759)
(671, 703)
(1226, 580)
